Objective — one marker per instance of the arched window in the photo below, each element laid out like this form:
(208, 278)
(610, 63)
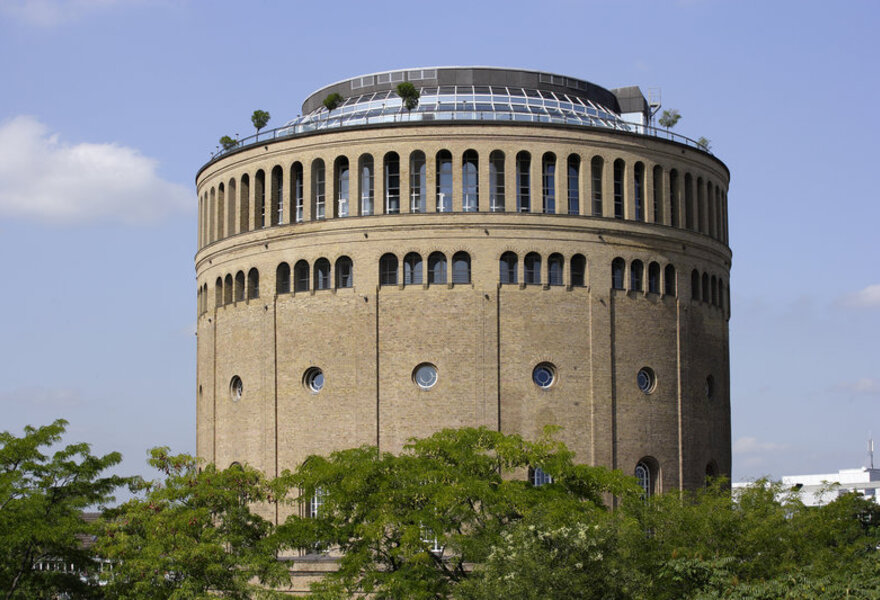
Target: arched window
(639, 191)
(461, 267)
(636, 276)
(322, 274)
(437, 268)
(221, 207)
(412, 269)
(596, 175)
(239, 286)
(253, 290)
(230, 208)
(509, 265)
(669, 280)
(418, 183)
(282, 279)
(211, 216)
(319, 199)
(714, 287)
(296, 177)
(548, 183)
(701, 205)
(555, 264)
(392, 183)
(496, 181)
(276, 210)
(539, 477)
(227, 289)
(365, 168)
(710, 208)
(711, 471)
(388, 270)
(342, 186)
(470, 186)
(523, 185)
(578, 270)
(301, 279)
(695, 285)
(673, 198)
(617, 268)
(444, 181)
(646, 474)
(532, 264)
(260, 198)
(218, 292)
(658, 194)
(707, 294)
(574, 194)
(244, 195)
(720, 293)
(344, 274)
(618, 188)
(688, 201)
(654, 278)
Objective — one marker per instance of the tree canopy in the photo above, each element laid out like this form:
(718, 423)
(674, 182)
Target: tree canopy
(332, 101)
(260, 119)
(409, 94)
(669, 118)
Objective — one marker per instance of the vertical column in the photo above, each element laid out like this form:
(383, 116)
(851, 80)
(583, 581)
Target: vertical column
(379, 185)
(457, 204)
(509, 180)
(308, 193)
(648, 193)
(431, 180)
(405, 195)
(536, 194)
(608, 187)
(354, 186)
(561, 184)
(586, 186)
(629, 195)
(483, 179)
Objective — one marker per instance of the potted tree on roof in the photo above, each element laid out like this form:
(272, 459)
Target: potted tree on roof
(260, 118)
(409, 94)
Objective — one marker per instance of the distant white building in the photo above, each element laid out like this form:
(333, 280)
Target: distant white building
(818, 490)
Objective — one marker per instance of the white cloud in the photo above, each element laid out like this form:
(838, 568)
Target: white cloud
(751, 445)
(868, 297)
(42, 397)
(51, 13)
(43, 178)
(863, 386)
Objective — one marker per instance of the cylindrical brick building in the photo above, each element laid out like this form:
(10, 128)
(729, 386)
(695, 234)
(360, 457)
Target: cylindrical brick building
(520, 249)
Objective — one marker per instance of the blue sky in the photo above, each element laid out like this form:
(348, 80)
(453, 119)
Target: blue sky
(109, 107)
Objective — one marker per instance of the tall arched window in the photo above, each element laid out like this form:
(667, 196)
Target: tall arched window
(244, 195)
(695, 285)
(673, 199)
(366, 178)
(720, 293)
(618, 266)
(319, 199)
(639, 191)
(688, 201)
(239, 286)
(669, 280)
(322, 274)
(218, 292)
(253, 284)
(282, 279)
(437, 268)
(260, 198)
(344, 272)
(701, 206)
(618, 188)
(646, 475)
(388, 270)
(555, 264)
(470, 185)
(705, 285)
(444, 181)
(636, 276)
(496, 181)
(228, 286)
(578, 270)
(221, 207)
(276, 208)
(296, 178)
(508, 266)
(418, 183)
(230, 208)
(658, 193)
(211, 216)
(523, 181)
(714, 287)
(574, 185)
(412, 269)
(548, 183)
(461, 267)
(342, 186)
(654, 278)
(532, 264)
(710, 208)
(392, 183)
(596, 177)
(301, 279)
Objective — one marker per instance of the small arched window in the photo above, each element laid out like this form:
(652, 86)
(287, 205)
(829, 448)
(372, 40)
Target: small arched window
(392, 183)
(344, 274)
(658, 193)
(639, 191)
(523, 186)
(282, 279)
(578, 270)
(596, 181)
(230, 208)
(461, 267)
(618, 188)
(574, 186)
(260, 199)
(444, 181)
(470, 187)
(322, 274)
(365, 168)
(636, 276)
(695, 285)
(508, 266)
(720, 293)
(218, 292)
(296, 179)
(301, 279)
(239, 286)
(673, 199)
(532, 265)
(539, 477)
(418, 183)
(555, 264)
(646, 474)
(437, 268)
(688, 201)
(276, 197)
(618, 266)
(342, 186)
(707, 294)
(711, 472)
(221, 207)
(714, 286)
(548, 182)
(669, 280)
(319, 197)
(244, 195)
(388, 270)
(227, 289)
(654, 278)
(412, 269)
(496, 181)
(253, 284)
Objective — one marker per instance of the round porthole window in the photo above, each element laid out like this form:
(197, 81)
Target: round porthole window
(646, 380)
(710, 388)
(425, 376)
(236, 388)
(313, 379)
(544, 375)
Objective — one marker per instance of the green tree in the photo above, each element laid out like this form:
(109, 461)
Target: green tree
(409, 94)
(410, 525)
(260, 119)
(193, 535)
(332, 101)
(42, 498)
(228, 143)
(705, 142)
(669, 118)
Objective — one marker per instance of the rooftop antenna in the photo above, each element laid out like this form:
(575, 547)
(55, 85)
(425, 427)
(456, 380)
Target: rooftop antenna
(654, 101)
(870, 451)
